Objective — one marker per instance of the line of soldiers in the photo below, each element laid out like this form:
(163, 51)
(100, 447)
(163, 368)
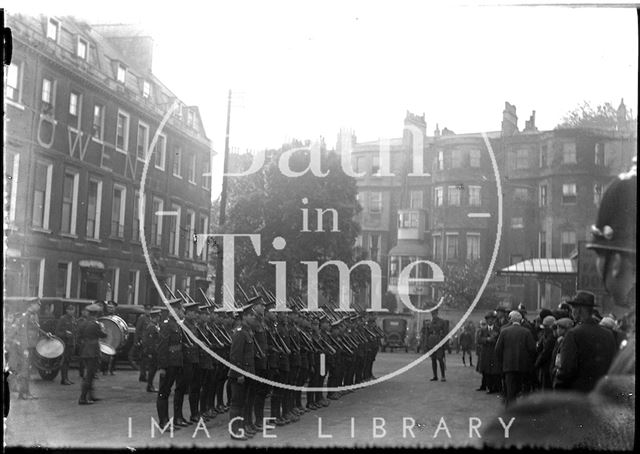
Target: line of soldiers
(300, 348)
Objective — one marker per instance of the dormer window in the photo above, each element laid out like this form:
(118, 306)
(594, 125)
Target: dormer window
(146, 89)
(81, 49)
(121, 73)
(191, 118)
(53, 29)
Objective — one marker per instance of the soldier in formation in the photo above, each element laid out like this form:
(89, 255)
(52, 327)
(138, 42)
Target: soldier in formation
(288, 347)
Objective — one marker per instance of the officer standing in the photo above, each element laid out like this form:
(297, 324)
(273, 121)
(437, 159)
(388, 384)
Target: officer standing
(436, 331)
(169, 360)
(149, 347)
(242, 355)
(91, 333)
(67, 330)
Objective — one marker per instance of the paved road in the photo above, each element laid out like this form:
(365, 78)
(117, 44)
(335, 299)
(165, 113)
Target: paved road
(56, 420)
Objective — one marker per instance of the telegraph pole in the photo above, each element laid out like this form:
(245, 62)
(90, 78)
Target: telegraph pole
(223, 206)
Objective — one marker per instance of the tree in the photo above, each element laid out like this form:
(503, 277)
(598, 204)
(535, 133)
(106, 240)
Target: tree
(603, 116)
(461, 285)
(273, 205)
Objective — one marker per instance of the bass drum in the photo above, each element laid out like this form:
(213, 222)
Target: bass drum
(48, 356)
(116, 329)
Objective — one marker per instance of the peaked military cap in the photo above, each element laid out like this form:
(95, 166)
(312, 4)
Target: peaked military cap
(154, 312)
(94, 308)
(191, 306)
(255, 299)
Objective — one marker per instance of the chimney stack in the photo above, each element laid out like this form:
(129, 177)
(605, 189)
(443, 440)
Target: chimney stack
(530, 125)
(509, 120)
(135, 45)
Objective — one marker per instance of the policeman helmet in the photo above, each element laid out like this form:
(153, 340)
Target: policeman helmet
(615, 227)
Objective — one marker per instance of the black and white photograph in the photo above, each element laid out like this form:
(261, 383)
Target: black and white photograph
(319, 224)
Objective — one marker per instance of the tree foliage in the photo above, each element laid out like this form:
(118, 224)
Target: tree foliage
(603, 116)
(461, 285)
(271, 204)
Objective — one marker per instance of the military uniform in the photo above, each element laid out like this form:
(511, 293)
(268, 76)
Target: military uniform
(170, 357)
(27, 334)
(141, 326)
(262, 366)
(149, 350)
(242, 355)
(206, 372)
(436, 331)
(67, 330)
(91, 333)
(188, 382)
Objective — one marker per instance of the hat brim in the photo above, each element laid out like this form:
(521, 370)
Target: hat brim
(610, 246)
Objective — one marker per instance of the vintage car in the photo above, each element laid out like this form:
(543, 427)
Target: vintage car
(397, 331)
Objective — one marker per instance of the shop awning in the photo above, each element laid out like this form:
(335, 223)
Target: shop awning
(409, 248)
(540, 268)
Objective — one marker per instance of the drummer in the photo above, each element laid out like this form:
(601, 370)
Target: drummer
(27, 334)
(109, 308)
(67, 330)
(90, 334)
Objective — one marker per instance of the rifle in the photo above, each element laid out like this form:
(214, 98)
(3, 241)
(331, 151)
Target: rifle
(173, 295)
(244, 294)
(280, 341)
(188, 340)
(305, 340)
(221, 344)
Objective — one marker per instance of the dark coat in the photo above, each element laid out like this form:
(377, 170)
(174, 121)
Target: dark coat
(466, 340)
(545, 348)
(91, 333)
(603, 419)
(170, 344)
(242, 352)
(586, 354)
(433, 333)
(150, 338)
(516, 349)
(260, 335)
(67, 330)
(190, 350)
(487, 339)
(141, 326)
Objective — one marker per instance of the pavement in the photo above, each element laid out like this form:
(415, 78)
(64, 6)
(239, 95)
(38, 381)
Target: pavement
(409, 410)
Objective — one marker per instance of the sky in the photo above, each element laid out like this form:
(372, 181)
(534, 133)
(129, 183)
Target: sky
(306, 69)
